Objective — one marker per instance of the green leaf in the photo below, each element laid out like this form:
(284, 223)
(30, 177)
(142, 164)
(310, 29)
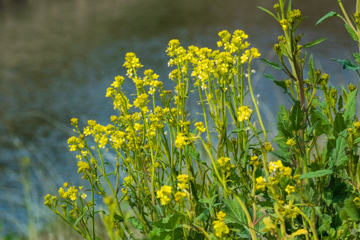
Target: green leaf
(352, 32)
(351, 210)
(316, 174)
(325, 223)
(269, 76)
(324, 126)
(357, 58)
(338, 156)
(296, 116)
(136, 223)
(330, 14)
(203, 216)
(350, 107)
(169, 222)
(270, 13)
(316, 42)
(272, 64)
(238, 130)
(339, 124)
(340, 103)
(346, 64)
(234, 212)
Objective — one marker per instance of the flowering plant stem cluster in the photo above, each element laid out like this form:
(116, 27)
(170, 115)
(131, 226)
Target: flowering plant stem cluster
(160, 171)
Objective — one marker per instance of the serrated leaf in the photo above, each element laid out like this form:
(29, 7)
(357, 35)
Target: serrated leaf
(357, 58)
(352, 32)
(340, 103)
(339, 124)
(351, 210)
(169, 222)
(330, 14)
(270, 13)
(347, 64)
(316, 42)
(338, 156)
(234, 212)
(296, 116)
(316, 174)
(272, 64)
(136, 223)
(350, 107)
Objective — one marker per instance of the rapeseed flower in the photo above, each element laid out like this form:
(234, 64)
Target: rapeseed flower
(268, 147)
(179, 196)
(220, 228)
(244, 113)
(180, 141)
(290, 142)
(289, 189)
(83, 166)
(274, 166)
(164, 194)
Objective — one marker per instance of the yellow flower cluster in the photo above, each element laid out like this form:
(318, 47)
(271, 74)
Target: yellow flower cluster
(71, 193)
(244, 113)
(200, 127)
(294, 15)
(254, 161)
(180, 140)
(260, 183)
(128, 180)
(164, 194)
(219, 226)
(83, 166)
(290, 142)
(278, 167)
(75, 143)
(268, 147)
(183, 179)
(179, 196)
(289, 189)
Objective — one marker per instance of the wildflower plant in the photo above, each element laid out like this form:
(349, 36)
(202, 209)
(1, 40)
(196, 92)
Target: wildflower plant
(173, 177)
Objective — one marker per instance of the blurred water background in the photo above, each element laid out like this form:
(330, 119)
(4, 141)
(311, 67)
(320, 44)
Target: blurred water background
(58, 57)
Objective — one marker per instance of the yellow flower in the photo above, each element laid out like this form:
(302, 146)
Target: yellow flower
(124, 190)
(62, 193)
(83, 196)
(221, 216)
(289, 189)
(200, 127)
(183, 178)
(82, 166)
(66, 184)
(180, 141)
(274, 166)
(128, 180)
(290, 142)
(268, 147)
(47, 201)
(164, 194)
(220, 228)
(74, 121)
(179, 196)
(223, 161)
(244, 113)
(287, 171)
(260, 183)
